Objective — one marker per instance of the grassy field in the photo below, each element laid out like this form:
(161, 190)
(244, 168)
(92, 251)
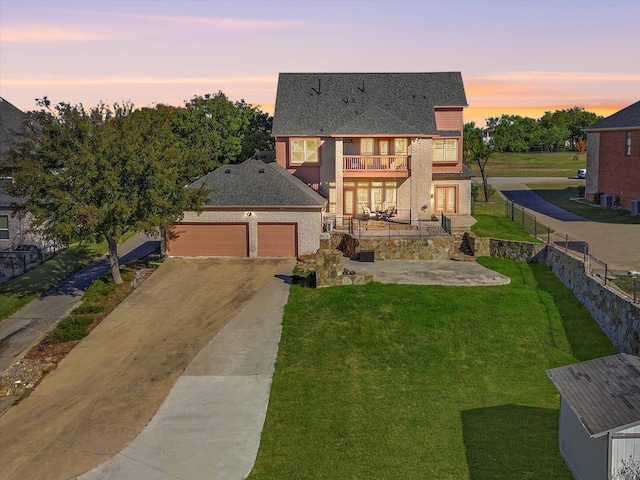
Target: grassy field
(566, 196)
(561, 164)
(403, 381)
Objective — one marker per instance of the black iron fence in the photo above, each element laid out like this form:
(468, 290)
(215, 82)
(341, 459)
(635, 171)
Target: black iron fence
(627, 283)
(391, 228)
(14, 263)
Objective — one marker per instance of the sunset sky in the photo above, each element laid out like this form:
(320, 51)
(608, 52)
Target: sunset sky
(516, 57)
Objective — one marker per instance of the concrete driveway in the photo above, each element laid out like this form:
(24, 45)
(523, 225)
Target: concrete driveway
(104, 393)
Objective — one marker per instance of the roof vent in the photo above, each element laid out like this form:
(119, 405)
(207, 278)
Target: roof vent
(261, 170)
(228, 170)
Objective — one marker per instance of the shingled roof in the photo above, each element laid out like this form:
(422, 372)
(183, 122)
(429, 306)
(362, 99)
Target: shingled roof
(257, 184)
(627, 118)
(326, 104)
(11, 119)
(603, 393)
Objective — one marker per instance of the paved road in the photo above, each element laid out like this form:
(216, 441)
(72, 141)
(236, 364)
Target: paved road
(103, 394)
(615, 244)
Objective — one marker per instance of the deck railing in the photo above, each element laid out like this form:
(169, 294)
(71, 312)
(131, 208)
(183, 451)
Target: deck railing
(376, 163)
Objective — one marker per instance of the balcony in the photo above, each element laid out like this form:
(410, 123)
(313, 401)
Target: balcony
(376, 165)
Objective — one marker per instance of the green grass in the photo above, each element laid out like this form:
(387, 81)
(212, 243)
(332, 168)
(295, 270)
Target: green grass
(560, 164)
(491, 221)
(563, 195)
(16, 293)
(404, 381)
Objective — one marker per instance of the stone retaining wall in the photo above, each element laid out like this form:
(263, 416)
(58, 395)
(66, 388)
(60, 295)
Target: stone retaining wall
(617, 316)
(330, 271)
(427, 248)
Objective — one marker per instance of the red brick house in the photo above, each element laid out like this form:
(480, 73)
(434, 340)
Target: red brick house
(613, 156)
(374, 142)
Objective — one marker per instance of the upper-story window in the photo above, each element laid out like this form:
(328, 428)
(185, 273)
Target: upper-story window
(628, 144)
(4, 227)
(305, 150)
(366, 146)
(400, 146)
(445, 150)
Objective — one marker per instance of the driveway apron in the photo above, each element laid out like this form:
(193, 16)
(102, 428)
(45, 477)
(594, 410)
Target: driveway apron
(102, 395)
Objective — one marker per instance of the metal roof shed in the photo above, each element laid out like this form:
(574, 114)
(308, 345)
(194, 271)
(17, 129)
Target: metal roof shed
(599, 415)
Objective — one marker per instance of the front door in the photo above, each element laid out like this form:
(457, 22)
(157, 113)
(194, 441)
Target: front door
(446, 199)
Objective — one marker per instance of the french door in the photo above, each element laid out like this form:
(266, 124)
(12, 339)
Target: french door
(446, 199)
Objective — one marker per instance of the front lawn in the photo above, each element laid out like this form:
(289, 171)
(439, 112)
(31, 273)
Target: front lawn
(403, 381)
(566, 196)
(492, 222)
(16, 293)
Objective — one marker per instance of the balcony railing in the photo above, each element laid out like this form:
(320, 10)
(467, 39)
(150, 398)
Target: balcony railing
(376, 163)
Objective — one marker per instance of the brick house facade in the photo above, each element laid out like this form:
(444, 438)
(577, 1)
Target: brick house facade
(613, 156)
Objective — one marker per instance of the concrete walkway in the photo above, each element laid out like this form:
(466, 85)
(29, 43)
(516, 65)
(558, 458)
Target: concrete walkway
(210, 424)
(616, 244)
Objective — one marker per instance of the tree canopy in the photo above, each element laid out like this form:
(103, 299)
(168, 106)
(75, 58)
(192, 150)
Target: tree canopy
(95, 174)
(552, 132)
(229, 132)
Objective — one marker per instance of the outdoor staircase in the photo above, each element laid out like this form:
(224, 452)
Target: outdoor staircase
(464, 253)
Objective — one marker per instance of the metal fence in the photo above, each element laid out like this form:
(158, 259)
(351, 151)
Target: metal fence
(627, 283)
(360, 228)
(14, 263)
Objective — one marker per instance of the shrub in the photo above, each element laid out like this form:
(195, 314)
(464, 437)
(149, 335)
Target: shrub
(73, 327)
(88, 308)
(581, 190)
(596, 198)
(99, 290)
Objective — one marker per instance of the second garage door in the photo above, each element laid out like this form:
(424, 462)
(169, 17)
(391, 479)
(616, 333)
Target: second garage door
(209, 240)
(277, 240)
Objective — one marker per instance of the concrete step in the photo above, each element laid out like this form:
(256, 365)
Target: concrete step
(462, 257)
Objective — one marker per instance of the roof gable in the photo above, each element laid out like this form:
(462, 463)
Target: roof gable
(255, 183)
(626, 118)
(11, 120)
(604, 393)
(325, 104)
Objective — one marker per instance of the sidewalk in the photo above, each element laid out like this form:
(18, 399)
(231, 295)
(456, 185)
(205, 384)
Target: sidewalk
(28, 325)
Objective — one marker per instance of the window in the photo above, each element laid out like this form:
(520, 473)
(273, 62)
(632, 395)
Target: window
(366, 146)
(400, 146)
(628, 145)
(4, 227)
(445, 150)
(305, 150)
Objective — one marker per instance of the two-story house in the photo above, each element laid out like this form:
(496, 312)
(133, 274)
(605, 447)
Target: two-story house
(376, 141)
(613, 157)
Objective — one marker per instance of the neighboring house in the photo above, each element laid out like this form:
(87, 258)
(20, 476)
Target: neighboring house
(613, 157)
(376, 141)
(487, 135)
(255, 209)
(13, 230)
(599, 415)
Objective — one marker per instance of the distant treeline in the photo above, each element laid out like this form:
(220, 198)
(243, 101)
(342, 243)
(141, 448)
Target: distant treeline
(553, 132)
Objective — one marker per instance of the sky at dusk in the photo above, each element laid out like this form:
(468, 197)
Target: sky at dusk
(516, 57)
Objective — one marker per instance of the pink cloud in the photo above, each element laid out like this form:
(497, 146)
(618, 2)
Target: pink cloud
(42, 33)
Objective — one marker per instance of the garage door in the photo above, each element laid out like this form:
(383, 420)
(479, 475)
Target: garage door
(277, 240)
(209, 240)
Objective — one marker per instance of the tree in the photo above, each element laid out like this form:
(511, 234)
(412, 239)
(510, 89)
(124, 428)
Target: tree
(476, 151)
(95, 174)
(256, 135)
